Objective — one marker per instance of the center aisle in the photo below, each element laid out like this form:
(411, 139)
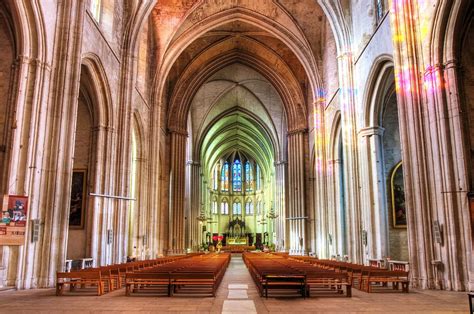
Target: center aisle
(237, 292)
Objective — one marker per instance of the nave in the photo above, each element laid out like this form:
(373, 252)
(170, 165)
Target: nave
(142, 130)
(237, 293)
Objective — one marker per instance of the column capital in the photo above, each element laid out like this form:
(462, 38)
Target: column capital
(99, 128)
(297, 131)
(193, 163)
(280, 162)
(372, 130)
(177, 131)
(346, 54)
(453, 63)
(335, 161)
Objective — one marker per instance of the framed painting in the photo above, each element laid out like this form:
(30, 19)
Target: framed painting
(399, 212)
(13, 220)
(77, 206)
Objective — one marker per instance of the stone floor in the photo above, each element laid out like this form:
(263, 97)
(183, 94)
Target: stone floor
(236, 294)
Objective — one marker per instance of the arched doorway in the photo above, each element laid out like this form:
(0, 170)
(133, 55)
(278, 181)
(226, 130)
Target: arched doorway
(393, 176)
(385, 222)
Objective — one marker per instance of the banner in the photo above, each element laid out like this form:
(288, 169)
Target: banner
(13, 220)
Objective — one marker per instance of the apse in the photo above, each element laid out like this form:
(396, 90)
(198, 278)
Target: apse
(235, 128)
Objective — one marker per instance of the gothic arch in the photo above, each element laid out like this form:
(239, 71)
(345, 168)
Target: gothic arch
(192, 79)
(97, 86)
(299, 47)
(377, 84)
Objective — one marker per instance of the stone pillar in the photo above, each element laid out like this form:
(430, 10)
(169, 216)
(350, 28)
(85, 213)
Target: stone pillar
(296, 193)
(456, 201)
(351, 166)
(177, 191)
(327, 213)
(23, 162)
(52, 185)
(280, 207)
(374, 208)
(321, 177)
(416, 180)
(195, 205)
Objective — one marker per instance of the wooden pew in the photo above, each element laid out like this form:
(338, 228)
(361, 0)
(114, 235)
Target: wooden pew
(147, 282)
(197, 274)
(383, 277)
(194, 279)
(82, 278)
(284, 282)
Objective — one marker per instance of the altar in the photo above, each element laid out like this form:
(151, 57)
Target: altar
(237, 241)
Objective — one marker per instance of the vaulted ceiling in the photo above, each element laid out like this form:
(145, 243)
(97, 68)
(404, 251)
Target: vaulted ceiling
(238, 74)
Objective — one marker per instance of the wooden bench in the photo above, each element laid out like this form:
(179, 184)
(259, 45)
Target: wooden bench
(384, 277)
(196, 279)
(82, 278)
(147, 282)
(328, 281)
(284, 282)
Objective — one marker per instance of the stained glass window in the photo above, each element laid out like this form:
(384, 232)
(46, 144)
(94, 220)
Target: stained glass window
(225, 177)
(215, 178)
(237, 208)
(259, 180)
(214, 207)
(249, 208)
(379, 7)
(237, 176)
(225, 208)
(248, 177)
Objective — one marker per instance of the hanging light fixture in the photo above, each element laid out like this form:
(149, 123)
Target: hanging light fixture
(271, 214)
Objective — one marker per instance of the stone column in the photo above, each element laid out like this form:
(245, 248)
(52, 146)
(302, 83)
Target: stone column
(457, 200)
(177, 191)
(195, 205)
(410, 106)
(374, 208)
(52, 187)
(280, 208)
(296, 193)
(327, 213)
(351, 169)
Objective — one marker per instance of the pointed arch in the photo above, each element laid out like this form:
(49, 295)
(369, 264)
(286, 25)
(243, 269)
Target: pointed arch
(97, 86)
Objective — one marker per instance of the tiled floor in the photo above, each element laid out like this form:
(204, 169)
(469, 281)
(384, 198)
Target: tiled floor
(237, 278)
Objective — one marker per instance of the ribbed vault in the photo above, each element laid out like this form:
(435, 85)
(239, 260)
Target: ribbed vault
(237, 131)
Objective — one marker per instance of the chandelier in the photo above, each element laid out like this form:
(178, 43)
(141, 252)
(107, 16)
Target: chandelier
(271, 214)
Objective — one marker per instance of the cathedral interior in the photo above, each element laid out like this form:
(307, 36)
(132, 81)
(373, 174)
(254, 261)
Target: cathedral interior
(323, 131)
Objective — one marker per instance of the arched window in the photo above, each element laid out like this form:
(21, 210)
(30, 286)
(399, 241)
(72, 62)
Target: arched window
(95, 9)
(259, 179)
(215, 178)
(259, 208)
(214, 207)
(248, 177)
(237, 176)
(237, 208)
(249, 208)
(379, 9)
(225, 208)
(225, 177)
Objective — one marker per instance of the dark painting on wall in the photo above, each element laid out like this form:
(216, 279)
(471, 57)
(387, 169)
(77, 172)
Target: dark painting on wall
(78, 199)
(398, 197)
